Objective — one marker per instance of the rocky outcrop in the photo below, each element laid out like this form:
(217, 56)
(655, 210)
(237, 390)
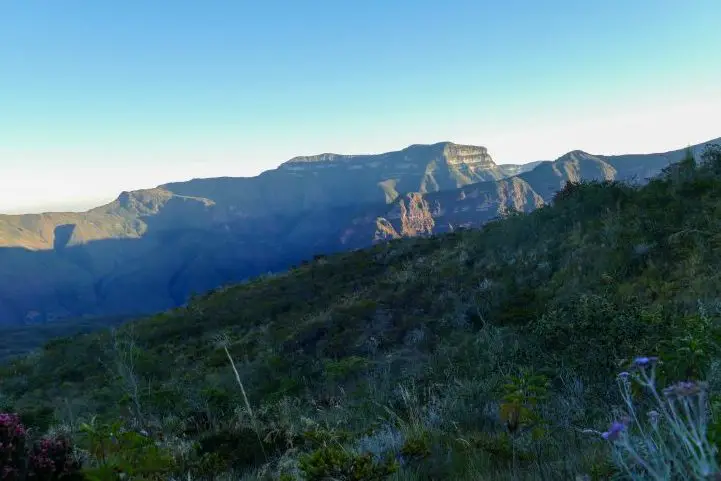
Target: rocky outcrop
(473, 205)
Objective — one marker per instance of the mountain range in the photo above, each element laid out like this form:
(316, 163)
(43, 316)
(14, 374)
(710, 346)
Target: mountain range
(152, 249)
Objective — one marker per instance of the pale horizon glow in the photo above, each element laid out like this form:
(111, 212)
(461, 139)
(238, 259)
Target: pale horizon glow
(77, 126)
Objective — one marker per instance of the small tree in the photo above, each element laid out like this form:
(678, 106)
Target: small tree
(519, 411)
(124, 358)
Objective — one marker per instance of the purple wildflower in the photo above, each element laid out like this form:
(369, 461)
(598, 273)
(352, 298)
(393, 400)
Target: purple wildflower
(685, 389)
(614, 432)
(644, 361)
(653, 416)
(623, 375)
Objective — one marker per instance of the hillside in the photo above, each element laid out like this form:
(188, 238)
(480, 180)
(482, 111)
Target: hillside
(412, 350)
(151, 250)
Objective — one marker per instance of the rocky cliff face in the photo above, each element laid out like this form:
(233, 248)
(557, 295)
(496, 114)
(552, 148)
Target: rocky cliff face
(475, 204)
(331, 180)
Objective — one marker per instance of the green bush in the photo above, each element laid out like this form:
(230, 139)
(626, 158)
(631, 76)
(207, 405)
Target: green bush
(498, 445)
(239, 448)
(417, 447)
(334, 462)
(121, 454)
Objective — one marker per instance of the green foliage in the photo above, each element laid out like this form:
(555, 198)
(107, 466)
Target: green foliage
(344, 368)
(691, 347)
(335, 462)
(239, 447)
(714, 423)
(603, 470)
(596, 331)
(208, 465)
(417, 447)
(497, 445)
(521, 395)
(118, 453)
(318, 437)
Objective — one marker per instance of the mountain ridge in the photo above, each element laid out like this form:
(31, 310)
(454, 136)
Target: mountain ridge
(150, 249)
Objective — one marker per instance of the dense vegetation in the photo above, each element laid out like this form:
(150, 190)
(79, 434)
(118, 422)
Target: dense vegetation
(486, 354)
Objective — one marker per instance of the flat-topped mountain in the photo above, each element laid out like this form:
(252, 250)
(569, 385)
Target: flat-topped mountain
(331, 180)
(151, 249)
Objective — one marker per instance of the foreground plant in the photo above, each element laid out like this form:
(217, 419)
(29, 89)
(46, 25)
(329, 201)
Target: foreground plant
(119, 453)
(49, 459)
(669, 442)
(336, 463)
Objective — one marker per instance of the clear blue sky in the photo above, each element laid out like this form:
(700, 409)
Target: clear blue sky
(101, 96)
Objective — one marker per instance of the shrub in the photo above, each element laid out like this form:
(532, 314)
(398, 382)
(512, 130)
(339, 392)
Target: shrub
(417, 447)
(49, 459)
(116, 451)
(522, 395)
(334, 462)
(53, 458)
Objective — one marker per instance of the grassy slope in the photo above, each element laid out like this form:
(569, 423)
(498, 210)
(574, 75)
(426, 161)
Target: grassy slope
(414, 339)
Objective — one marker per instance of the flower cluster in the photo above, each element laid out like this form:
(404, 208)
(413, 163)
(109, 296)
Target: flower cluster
(11, 423)
(49, 459)
(12, 446)
(685, 389)
(672, 442)
(614, 432)
(53, 457)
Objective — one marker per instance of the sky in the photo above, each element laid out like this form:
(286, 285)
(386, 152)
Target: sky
(101, 97)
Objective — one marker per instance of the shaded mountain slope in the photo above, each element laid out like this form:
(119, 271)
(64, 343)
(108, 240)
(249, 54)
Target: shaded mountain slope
(150, 250)
(128, 217)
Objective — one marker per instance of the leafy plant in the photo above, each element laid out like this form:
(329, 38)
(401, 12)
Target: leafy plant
(522, 395)
(417, 447)
(117, 453)
(336, 463)
(688, 354)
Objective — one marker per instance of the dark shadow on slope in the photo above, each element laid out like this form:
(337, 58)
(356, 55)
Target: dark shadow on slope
(63, 234)
(161, 269)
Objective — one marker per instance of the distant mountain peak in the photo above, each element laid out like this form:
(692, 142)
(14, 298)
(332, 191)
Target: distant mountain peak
(575, 155)
(148, 198)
